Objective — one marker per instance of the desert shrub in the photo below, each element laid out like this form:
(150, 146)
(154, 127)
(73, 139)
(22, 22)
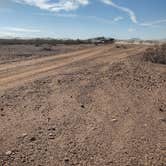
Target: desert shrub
(156, 54)
(118, 46)
(124, 46)
(24, 55)
(121, 46)
(46, 47)
(39, 41)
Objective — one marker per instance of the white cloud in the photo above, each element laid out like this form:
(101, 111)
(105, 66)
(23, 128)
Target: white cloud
(131, 30)
(24, 30)
(66, 5)
(90, 17)
(154, 23)
(10, 32)
(132, 15)
(7, 34)
(116, 19)
(69, 5)
(68, 15)
(124, 9)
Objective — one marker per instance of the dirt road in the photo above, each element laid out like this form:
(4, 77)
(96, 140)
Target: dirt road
(16, 73)
(93, 107)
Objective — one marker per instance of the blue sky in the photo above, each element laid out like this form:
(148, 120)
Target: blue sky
(123, 19)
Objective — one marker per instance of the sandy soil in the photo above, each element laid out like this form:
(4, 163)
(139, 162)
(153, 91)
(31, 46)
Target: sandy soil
(16, 52)
(93, 107)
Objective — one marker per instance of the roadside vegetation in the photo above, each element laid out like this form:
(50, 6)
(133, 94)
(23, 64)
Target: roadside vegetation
(39, 41)
(156, 54)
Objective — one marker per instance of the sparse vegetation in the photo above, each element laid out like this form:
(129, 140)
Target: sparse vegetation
(46, 47)
(37, 42)
(156, 54)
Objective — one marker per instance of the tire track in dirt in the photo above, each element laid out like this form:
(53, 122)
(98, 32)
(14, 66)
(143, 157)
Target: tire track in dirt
(24, 72)
(117, 55)
(35, 65)
(30, 71)
(44, 59)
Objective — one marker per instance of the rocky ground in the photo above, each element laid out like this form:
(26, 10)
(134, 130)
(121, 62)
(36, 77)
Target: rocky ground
(106, 108)
(21, 52)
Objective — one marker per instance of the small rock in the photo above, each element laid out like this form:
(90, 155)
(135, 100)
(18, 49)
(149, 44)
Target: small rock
(8, 153)
(114, 120)
(2, 114)
(163, 120)
(51, 136)
(52, 128)
(142, 138)
(66, 160)
(82, 106)
(32, 139)
(24, 134)
(162, 108)
(145, 125)
(40, 131)
(109, 162)
(127, 109)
